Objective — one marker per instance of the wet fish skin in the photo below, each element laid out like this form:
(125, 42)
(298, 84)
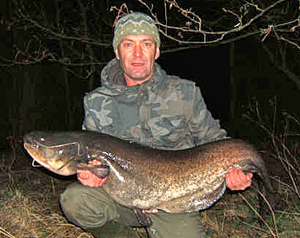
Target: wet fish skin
(142, 177)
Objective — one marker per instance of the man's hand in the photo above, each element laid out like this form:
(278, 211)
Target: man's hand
(237, 180)
(89, 179)
(150, 211)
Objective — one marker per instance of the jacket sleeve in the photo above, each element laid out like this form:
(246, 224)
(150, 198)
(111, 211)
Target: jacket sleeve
(203, 127)
(96, 117)
(89, 121)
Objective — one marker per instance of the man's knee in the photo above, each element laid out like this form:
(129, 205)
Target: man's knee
(69, 198)
(72, 198)
(87, 207)
(71, 202)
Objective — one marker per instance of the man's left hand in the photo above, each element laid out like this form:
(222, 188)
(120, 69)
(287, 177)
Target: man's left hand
(236, 179)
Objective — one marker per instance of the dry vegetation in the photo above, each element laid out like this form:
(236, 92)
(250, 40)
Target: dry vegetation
(29, 203)
(29, 206)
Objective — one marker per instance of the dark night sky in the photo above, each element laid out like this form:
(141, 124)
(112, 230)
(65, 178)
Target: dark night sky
(208, 67)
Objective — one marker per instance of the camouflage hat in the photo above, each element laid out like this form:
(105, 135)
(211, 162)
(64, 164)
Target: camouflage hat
(135, 23)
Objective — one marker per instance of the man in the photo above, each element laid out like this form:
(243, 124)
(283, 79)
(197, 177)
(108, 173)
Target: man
(139, 102)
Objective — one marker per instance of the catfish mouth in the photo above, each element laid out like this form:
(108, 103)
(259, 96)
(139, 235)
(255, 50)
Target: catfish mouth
(60, 167)
(36, 157)
(41, 163)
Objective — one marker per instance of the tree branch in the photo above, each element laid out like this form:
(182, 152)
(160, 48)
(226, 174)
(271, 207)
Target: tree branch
(194, 23)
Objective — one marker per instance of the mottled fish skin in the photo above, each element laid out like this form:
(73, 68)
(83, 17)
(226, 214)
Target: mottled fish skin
(141, 177)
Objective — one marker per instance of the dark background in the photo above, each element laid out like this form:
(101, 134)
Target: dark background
(47, 94)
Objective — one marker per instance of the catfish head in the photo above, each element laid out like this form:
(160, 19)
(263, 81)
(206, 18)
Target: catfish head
(54, 151)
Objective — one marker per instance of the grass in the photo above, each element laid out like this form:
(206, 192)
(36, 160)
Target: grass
(23, 217)
(31, 210)
(235, 216)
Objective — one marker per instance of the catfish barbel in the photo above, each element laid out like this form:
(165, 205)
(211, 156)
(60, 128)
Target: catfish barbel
(176, 181)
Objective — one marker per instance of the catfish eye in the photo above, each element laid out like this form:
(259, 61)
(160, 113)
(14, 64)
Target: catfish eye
(60, 152)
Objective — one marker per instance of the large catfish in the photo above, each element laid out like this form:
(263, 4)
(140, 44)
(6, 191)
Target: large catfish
(176, 181)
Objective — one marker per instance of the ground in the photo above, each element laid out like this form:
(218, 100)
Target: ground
(29, 206)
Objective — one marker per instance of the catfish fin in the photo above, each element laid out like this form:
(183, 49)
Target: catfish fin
(100, 171)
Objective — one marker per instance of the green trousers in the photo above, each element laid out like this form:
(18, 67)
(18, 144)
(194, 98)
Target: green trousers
(92, 208)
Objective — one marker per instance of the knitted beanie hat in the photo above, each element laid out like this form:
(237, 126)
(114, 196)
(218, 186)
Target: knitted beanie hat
(135, 23)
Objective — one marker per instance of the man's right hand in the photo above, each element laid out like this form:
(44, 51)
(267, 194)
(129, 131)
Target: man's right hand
(89, 179)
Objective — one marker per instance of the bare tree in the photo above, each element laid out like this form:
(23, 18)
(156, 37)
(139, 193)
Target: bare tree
(72, 33)
(234, 20)
(275, 23)
(77, 34)
(77, 27)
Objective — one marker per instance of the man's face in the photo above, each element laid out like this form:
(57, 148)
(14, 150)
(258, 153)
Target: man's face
(137, 54)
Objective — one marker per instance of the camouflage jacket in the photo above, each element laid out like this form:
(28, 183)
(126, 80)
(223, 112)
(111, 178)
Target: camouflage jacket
(165, 112)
